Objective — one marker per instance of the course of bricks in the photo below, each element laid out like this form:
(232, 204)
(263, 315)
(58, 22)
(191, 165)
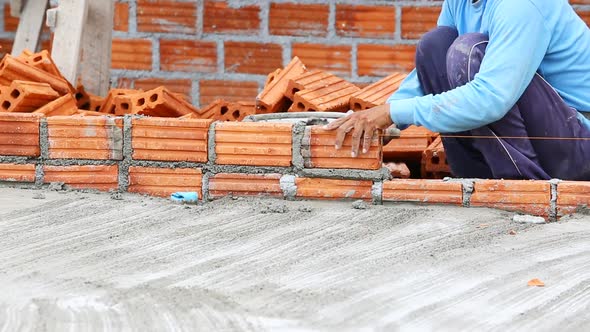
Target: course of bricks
(116, 154)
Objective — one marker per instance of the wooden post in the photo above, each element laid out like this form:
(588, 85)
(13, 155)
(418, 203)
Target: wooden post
(95, 63)
(29, 26)
(69, 19)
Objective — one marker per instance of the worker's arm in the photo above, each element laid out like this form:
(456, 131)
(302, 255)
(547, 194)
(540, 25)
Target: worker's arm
(518, 42)
(410, 87)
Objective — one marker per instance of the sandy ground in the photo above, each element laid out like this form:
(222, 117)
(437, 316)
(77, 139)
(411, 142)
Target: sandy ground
(86, 262)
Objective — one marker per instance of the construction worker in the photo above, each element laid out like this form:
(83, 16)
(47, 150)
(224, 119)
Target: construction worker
(505, 82)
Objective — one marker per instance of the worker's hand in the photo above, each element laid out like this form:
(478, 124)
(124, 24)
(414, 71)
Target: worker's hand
(363, 125)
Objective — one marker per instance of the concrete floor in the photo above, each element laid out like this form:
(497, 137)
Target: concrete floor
(86, 262)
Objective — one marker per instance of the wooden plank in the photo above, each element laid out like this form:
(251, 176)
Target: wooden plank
(95, 63)
(29, 26)
(69, 25)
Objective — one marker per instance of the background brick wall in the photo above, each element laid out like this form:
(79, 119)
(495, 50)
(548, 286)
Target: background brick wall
(210, 49)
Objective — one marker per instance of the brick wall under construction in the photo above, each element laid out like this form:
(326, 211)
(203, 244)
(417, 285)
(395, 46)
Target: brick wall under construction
(209, 49)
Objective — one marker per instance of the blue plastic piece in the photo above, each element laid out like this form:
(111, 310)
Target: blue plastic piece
(185, 197)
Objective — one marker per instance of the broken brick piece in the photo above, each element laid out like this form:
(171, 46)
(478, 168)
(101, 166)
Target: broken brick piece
(88, 101)
(167, 139)
(572, 196)
(237, 111)
(12, 69)
(19, 134)
(214, 110)
(26, 97)
(108, 105)
(253, 143)
(228, 184)
(272, 98)
(398, 170)
(102, 178)
(531, 197)
(434, 160)
(163, 182)
(316, 188)
(97, 138)
(410, 145)
(160, 102)
(423, 191)
(319, 152)
(377, 93)
(64, 105)
(17, 172)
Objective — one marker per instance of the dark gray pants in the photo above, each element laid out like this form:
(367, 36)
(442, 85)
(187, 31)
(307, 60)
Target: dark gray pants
(506, 150)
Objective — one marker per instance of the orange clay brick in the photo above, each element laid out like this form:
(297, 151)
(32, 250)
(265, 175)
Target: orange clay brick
(165, 139)
(572, 195)
(319, 152)
(333, 97)
(212, 111)
(26, 97)
(423, 191)
(212, 90)
(226, 184)
(365, 21)
(418, 20)
(166, 16)
(188, 55)
(377, 93)
(531, 197)
(163, 182)
(219, 17)
(19, 134)
(12, 69)
(253, 144)
(271, 99)
(132, 54)
(102, 178)
(43, 61)
(298, 19)
(434, 160)
(89, 113)
(108, 105)
(237, 111)
(335, 59)
(17, 172)
(121, 17)
(97, 138)
(252, 57)
(64, 105)
(182, 86)
(410, 145)
(314, 188)
(310, 80)
(159, 102)
(382, 60)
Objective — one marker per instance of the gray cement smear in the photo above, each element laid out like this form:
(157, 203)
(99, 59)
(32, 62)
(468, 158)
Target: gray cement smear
(44, 138)
(145, 264)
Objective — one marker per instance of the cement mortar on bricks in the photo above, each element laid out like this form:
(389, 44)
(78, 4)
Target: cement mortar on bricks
(289, 187)
(212, 155)
(44, 138)
(554, 195)
(377, 192)
(127, 153)
(346, 174)
(298, 133)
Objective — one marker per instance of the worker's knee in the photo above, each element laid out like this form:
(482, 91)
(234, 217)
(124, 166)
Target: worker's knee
(435, 43)
(464, 58)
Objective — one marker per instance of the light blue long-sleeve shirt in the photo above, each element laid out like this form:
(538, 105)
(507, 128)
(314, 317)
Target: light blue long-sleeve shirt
(525, 36)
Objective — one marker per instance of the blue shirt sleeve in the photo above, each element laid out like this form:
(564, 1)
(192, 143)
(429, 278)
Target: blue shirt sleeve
(410, 87)
(518, 41)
